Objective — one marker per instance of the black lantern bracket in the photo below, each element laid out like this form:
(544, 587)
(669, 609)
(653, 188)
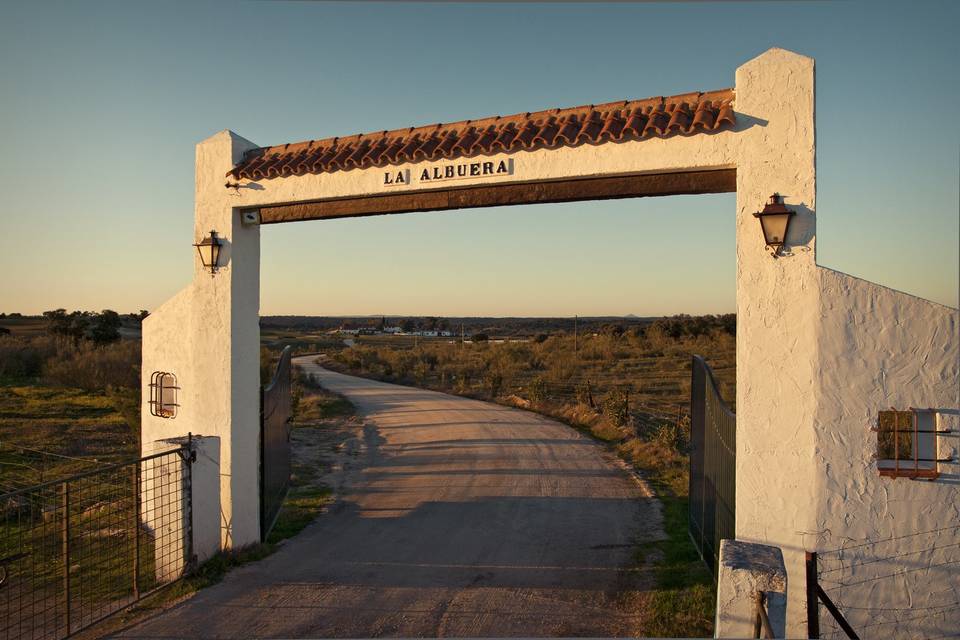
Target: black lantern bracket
(209, 250)
(775, 223)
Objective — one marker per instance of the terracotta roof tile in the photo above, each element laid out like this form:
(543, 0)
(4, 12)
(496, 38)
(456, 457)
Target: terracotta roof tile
(686, 114)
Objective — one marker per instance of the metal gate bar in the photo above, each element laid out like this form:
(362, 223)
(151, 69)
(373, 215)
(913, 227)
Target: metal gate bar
(713, 448)
(78, 549)
(275, 414)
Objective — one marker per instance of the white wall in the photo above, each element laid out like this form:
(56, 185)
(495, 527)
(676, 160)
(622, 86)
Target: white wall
(208, 336)
(879, 348)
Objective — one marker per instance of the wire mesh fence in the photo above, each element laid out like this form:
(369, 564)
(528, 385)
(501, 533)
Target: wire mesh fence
(77, 549)
(22, 466)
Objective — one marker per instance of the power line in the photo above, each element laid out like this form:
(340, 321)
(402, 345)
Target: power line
(893, 575)
(925, 616)
(909, 535)
(941, 606)
(55, 455)
(899, 555)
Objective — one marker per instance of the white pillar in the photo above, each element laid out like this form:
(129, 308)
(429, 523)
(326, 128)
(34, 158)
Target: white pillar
(174, 487)
(205, 497)
(164, 509)
(208, 336)
(745, 570)
(777, 312)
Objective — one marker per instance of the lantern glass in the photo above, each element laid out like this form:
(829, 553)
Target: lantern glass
(775, 227)
(209, 250)
(214, 254)
(775, 222)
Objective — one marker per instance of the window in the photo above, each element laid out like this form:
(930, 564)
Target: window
(907, 443)
(163, 394)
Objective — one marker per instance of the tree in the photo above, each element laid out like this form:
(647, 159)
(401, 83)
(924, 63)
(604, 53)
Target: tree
(728, 322)
(57, 321)
(105, 327)
(138, 317)
(69, 325)
(479, 337)
(615, 330)
(4, 331)
(407, 325)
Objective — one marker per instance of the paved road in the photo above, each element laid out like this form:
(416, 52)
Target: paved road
(464, 519)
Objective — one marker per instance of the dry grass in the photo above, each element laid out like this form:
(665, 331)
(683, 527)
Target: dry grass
(61, 421)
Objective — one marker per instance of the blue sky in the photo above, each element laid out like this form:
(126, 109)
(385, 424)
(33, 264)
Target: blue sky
(102, 104)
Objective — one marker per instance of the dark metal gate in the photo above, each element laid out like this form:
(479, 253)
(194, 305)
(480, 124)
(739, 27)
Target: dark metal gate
(713, 447)
(78, 549)
(275, 415)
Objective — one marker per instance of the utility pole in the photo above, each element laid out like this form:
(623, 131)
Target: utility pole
(575, 337)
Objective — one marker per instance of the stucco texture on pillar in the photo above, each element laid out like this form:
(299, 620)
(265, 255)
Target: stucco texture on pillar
(208, 336)
(776, 314)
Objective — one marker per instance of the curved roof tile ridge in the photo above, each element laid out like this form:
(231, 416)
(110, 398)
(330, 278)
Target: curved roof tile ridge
(684, 114)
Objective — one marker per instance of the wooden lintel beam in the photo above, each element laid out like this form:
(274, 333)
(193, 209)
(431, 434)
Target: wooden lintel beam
(661, 184)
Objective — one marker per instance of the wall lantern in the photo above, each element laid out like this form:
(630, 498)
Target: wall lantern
(209, 249)
(775, 221)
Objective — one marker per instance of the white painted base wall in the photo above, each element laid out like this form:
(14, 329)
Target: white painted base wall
(889, 547)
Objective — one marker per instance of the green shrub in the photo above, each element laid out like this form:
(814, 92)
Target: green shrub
(537, 391)
(615, 406)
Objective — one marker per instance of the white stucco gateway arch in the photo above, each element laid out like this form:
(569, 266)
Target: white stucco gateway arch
(810, 372)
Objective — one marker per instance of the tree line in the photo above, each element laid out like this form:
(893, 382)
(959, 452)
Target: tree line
(99, 328)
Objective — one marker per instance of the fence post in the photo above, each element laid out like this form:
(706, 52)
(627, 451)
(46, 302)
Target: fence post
(757, 624)
(813, 609)
(748, 571)
(191, 561)
(65, 542)
(136, 530)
